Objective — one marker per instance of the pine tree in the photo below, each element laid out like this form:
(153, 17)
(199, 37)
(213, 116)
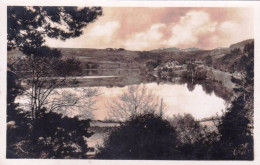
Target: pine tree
(236, 127)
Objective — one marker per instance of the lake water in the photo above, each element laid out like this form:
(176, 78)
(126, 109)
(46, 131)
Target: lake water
(178, 99)
(201, 99)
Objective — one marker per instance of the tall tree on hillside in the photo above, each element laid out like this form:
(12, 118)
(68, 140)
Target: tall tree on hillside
(236, 127)
(209, 61)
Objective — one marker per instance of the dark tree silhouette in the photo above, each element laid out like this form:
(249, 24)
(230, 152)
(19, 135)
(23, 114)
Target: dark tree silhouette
(60, 136)
(209, 61)
(236, 127)
(187, 128)
(50, 135)
(195, 141)
(17, 123)
(142, 137)
(191, 84)
(28, 26)
(43, 70)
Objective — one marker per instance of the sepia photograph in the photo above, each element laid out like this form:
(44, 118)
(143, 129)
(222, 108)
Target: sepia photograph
(130, 83)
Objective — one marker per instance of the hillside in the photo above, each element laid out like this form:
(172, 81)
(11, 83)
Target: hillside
(241, 45)
(175, 50)
(225, 59)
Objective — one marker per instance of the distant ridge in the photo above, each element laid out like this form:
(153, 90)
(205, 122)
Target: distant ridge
(241, 44)
(175, 49)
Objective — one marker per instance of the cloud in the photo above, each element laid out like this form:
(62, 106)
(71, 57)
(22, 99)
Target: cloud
(146, 28)
(147, 39)
(101, 33)
(104, 30)
(187, 32)
(234, 31)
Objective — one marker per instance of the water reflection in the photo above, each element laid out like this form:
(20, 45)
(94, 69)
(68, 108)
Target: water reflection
(178, 99)
(200, 97)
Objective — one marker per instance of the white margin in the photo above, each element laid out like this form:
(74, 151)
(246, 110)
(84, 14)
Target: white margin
(3, 67)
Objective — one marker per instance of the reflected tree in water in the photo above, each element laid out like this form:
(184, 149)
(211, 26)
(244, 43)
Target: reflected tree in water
(136, 100)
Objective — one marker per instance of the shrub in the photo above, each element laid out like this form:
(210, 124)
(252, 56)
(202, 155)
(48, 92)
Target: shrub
(142, 137)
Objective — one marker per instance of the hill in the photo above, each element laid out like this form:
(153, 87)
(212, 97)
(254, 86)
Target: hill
(175, 50)
(225, 59)
(241, 45)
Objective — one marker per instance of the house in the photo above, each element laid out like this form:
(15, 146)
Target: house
(198, 62)
(237, 75)
(173, 64)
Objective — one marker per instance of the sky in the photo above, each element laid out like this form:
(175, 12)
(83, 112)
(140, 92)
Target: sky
(145, 28)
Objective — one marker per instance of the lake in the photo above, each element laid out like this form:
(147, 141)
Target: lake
(202, 99)
(178, 99)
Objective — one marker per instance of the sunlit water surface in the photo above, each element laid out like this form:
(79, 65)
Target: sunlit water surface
(178, 100)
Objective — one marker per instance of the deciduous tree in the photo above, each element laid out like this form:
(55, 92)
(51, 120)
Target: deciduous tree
(136, 100)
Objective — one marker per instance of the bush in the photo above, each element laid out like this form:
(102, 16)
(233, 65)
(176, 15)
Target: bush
(142, 137)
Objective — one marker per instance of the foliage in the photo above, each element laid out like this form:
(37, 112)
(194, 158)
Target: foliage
(191, 68)
(13, 87)
(194, 140)
(42, 69)
(236, 141)
(144, 136)
(209, 61)
(152, 64)
(43, 133)
(17, 125)
(187, 128)
(52, 136)
(28, 27)
(45, 79)
(64, 139)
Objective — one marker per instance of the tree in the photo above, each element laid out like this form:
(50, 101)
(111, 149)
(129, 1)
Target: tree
(191, 84)
(187, 128)
(236, 126)
(195, 141)
(136, 100)
(152, 64)
(17, 123)
(191, 69)
(29, 134)
(28, 26)
(46, 80)
(145, 136)
(43, 69)
(13, 89)
(64, 139)
(45, 73)
(209, 61)
(52, 136)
